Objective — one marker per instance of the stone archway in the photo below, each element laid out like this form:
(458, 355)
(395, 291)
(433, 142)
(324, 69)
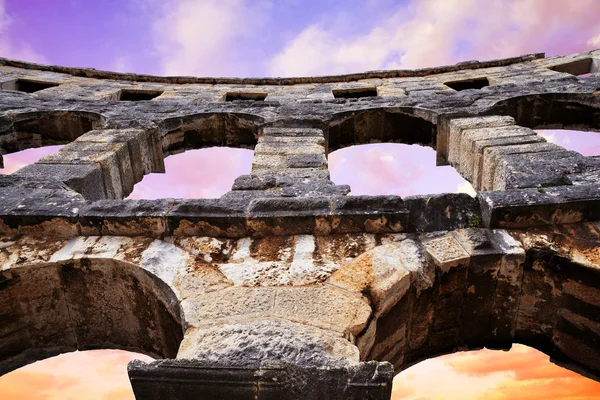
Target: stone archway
(577, 111)
(87, 293)
(202, 130)
(407, 125)
(473, 288)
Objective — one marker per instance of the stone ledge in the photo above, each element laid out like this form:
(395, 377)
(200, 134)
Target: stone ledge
(542, 206)
(191, 379)
(93, 73)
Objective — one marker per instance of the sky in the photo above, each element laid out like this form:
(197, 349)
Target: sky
(291, 38)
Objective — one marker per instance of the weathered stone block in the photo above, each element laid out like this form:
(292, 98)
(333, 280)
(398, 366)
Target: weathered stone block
(86, 179)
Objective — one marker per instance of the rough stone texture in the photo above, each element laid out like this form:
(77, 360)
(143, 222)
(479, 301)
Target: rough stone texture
(287, 286)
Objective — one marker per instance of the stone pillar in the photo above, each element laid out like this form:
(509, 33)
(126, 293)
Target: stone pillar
(290, 162)
(267, 342)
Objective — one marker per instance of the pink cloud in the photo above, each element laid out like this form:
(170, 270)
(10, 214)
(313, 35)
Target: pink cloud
(392, 168)
(436, 32)
(15, 161)
(204, 173)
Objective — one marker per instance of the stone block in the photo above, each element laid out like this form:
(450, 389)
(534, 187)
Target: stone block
(481, 146)
(187, 379)
(469, 138)
(323, 306)
(292, 132)
(442, 212)
(288, 216)
(491, 156)
(114, 160)
(374, 214)
(535, 207)
(126, 218)
(207, 217)
(144, 147)
(86, 179)
(446, 252)
(456, 127)
(516, 171)
(306, 161)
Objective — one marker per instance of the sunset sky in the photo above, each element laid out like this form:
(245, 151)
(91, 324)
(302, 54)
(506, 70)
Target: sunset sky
(301, 37)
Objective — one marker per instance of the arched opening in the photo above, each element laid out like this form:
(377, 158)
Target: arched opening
(58, 306)
(394, 169)
(492, 296)
(382, 125)
(218, 148)
(209, 130)
(45, 128)
(522, 372)
(574, 111)
(585, 142)
(392, 153)
(91, 374)
(202, 173)
(14, 161)
(48, 128)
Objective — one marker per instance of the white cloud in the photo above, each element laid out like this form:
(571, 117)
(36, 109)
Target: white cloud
(19, 51)
(202, 37)
(436, 32)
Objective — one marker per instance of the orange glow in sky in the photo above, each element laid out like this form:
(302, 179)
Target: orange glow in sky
(521, 373)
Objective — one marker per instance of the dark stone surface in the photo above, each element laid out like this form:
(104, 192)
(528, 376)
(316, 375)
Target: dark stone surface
(188, 379)
(84, 179)
(442, 212)
(541, 206)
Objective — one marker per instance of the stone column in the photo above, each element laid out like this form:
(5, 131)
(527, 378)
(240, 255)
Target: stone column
(290, 162)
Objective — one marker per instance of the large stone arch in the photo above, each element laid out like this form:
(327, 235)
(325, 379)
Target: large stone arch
(408, 125)
(472, 288)
(89, 293)
(47, 128)
(577, 111)
(196, 131)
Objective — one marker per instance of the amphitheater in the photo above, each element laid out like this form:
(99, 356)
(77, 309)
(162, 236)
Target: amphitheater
(288, 286)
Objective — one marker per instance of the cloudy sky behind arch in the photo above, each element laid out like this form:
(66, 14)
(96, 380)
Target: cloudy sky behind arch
(289, 37)
(304, 37)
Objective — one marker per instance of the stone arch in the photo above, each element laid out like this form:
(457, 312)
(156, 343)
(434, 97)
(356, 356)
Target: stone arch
(82, 297)
(202, 130)
(470, 289)
(577, 111)
(406, 125)
(47, 128)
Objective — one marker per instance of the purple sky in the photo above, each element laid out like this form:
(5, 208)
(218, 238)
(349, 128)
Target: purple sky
(297, 37)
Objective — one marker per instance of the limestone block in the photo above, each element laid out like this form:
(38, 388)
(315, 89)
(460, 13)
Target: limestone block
(86, 179)
(323, 306)
(482, 145)
(265, 340)
(456, 126)
(292, 132)
(144, 147)
(114, 160)
(228, 305)
(268, 162)
(491, 154)
(514, 171)
(467, 157)
(446, 252)
(386, 273)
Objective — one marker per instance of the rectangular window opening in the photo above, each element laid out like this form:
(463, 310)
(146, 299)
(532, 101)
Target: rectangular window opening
(28, 86)
(139, 95)
(577, 67)
(355, 93)
(477, 83)
(233, 96)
